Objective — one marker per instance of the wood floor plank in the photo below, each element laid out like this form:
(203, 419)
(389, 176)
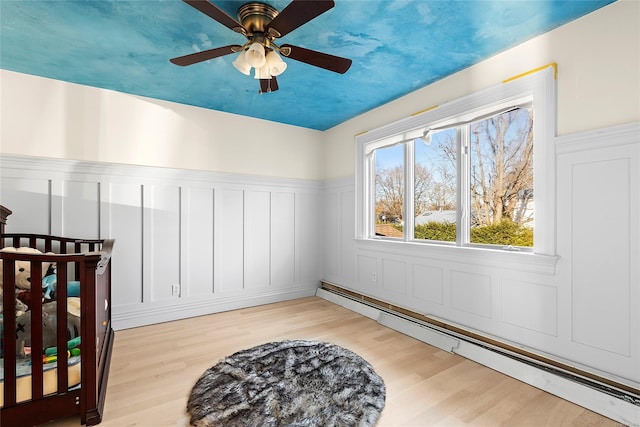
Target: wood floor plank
(154, 367)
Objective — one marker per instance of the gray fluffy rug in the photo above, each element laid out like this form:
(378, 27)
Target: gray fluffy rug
(288, 383)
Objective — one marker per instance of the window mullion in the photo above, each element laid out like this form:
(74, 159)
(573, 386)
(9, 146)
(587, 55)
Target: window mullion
(464, 185)
(409, 193)
(371, 194)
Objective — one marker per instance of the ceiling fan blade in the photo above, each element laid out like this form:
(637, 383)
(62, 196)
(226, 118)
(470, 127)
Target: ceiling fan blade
(194, 58)
(318, 59)
(214, 12)
(297, 13)
(268, 85)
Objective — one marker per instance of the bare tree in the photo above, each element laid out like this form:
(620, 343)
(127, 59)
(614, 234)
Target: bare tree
(435, 169)
(423, 189)
(390, 193)
(501, 167)
(501, 151)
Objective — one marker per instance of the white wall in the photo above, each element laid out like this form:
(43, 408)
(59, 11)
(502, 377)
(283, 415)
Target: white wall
(544, 307)
(228, 241)
(50, 118)
(598, 59)
(581, 306)
(223, 205)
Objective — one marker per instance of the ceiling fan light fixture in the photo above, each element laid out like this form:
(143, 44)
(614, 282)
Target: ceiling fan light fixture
(262, 73)
(242, 65)
(261, 24)
(255, 55)
(275, 63)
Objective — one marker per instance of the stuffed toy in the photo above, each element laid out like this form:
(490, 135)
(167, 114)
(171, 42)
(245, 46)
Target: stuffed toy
(49, 325)
(50, 287)
(23, 279)
(23, 268)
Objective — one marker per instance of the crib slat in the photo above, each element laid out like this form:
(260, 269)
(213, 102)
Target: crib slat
(9, 340)
(87, 400)
(61, 333)
(36, 330)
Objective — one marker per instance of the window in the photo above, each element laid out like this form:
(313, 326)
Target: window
(466, 173)
(435, 186)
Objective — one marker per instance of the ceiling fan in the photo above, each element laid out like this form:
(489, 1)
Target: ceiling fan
(261, 24)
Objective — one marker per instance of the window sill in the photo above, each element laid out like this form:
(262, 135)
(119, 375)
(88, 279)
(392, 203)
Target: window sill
(504, 259)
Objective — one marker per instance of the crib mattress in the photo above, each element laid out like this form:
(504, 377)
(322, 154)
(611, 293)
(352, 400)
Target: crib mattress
(50, 378)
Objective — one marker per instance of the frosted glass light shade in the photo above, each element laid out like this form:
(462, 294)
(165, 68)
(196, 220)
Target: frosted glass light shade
(262, 72)
(255, 55)
(242, 65)
(275, 63)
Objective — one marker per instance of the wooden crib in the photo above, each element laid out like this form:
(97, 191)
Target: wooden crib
(48, 391)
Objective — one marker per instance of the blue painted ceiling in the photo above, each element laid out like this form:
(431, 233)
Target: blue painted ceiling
(396, 48)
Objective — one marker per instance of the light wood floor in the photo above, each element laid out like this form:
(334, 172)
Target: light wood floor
(154, 367)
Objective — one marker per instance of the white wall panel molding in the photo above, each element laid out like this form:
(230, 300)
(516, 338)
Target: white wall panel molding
(581, 306)
(32, 214)
(526, 262)
(198, 241)
(187, 242)
(530, 305)
(161, 241)
(614, 136)
(308, 228)
(471, 293)
(339, 183)
(599, 239)
(123, 217)
(283, 240)
(151, 173)
(394, 276)
(427, 283)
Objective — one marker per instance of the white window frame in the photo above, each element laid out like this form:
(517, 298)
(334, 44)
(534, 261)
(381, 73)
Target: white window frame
(537, 87)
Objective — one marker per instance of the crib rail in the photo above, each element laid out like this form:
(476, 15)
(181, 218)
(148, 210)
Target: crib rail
(86, 261)
(46, 243)
(80, 262)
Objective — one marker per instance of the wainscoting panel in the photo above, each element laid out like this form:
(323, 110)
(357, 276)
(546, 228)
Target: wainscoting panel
(230, 242)
(331, 218)
(530, 305)
(162, 241)
(368, 271)
(607, 182)
(599, 236)
(347, 225)
(188, 243)
(79, 213)
(30, 201)
(309, 237)
(427, 283)
(471, 293)
(394, 276)
(581, 306)
(283, 240)
(124, 212)
(197, 227)
(257, 239)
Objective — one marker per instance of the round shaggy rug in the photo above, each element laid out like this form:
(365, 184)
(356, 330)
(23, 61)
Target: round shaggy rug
(288, 383)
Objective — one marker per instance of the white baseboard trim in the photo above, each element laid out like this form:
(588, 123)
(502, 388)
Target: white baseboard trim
(134, 317)
(578, 393)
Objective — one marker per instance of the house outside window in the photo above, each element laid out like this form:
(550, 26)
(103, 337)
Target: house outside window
(465, 174)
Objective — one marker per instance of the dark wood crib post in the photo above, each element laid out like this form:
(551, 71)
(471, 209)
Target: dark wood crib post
(4, 213)
(88, 343)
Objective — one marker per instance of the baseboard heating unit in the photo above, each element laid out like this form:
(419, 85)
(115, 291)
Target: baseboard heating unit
(612, 399)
